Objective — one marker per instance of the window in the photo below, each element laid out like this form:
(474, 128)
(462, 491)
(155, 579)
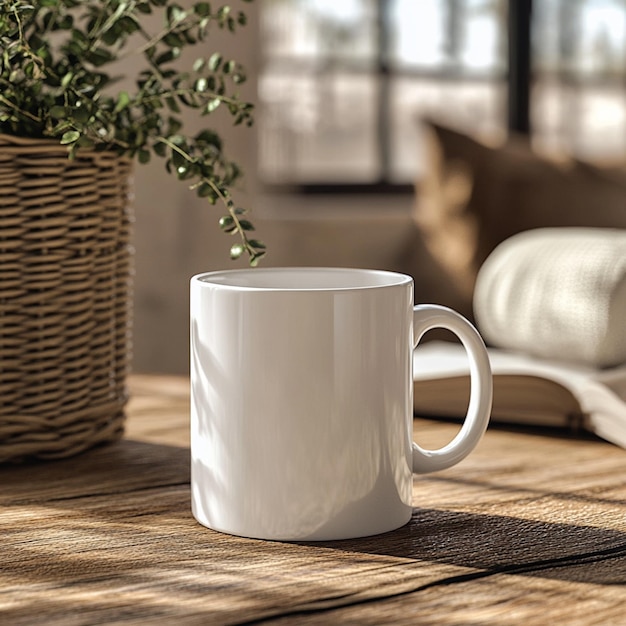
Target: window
(343, 83)
(579, 99)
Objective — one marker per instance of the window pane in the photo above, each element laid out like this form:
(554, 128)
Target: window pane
(476, 106)
(484, 40)
(585, 37)
(583, 120)
(460, 34)
(579, 101)
(318, 128)
(417, 33)
(319, 30)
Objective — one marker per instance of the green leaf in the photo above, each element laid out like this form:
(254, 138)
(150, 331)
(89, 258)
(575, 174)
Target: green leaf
(209, 137)
(81, 114)
(174, 125)
(177, 140)
(255, 259)
(57, 112)
(179, 160)
(174, 40)
(67, 79)
(172, 104)
(203, 9)
(123, 100)
(204, 190)
(100, 56)
(70, 137)
(201, 85)
(175, 14)
(128, 24)
(255, 243)
(167, 57)
(227, 223)
(85, 142)
(160, 149)
(215, 60)
(223, 12)
(236, 250)
(246, 225)
(65, 22)
(212, 105)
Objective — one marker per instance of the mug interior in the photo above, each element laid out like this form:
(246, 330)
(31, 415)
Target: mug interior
(304, 278)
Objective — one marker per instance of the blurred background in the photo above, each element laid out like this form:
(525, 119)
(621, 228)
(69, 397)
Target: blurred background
(343, 80)
(333, 164)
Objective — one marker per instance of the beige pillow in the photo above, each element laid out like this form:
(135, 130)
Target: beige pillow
(557, 293)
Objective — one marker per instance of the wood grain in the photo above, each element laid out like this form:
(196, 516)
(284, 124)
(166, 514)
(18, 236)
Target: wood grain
(530, 529)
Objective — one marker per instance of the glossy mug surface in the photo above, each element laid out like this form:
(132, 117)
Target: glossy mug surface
(302, 401)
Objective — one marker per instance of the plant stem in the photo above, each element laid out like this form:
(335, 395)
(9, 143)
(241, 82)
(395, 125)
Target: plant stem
(218, 192)
(18, 110)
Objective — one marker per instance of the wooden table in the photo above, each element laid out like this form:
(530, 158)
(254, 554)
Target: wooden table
(530, 529)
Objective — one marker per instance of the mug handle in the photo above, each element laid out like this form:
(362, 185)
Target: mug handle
(425, 318)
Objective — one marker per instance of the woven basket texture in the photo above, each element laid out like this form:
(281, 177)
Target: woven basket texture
(65, 298)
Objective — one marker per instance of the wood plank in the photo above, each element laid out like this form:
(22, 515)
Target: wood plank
(495, 600)
(117, 559)
(531, 528)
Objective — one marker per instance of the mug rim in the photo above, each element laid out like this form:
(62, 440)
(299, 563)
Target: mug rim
(227, 279)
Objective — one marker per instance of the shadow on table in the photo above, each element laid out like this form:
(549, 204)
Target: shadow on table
(490, 544)
(497, 544)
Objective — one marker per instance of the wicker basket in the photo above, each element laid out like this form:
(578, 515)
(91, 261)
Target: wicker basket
(65, 298)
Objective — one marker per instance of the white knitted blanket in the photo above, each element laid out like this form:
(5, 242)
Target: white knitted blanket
(557, 293)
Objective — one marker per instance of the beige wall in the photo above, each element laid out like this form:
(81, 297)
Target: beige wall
(176, 234)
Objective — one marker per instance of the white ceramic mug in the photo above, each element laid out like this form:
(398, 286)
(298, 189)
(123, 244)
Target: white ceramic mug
(302, 397)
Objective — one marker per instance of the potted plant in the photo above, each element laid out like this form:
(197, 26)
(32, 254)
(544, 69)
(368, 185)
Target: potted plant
(59, 65)
(68, 135)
